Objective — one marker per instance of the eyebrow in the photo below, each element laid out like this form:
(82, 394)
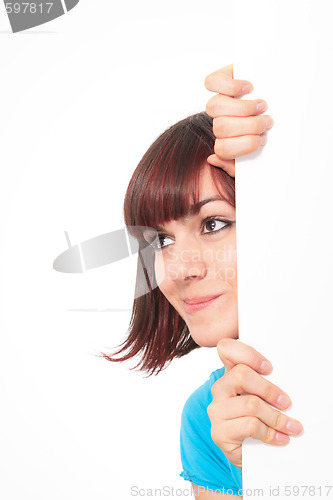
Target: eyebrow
(195, 209)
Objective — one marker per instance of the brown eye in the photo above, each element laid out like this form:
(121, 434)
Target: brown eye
(159, 242)
(215, 225)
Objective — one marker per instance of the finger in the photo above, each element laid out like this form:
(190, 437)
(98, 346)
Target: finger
(223, 105)
(227, 165)
(232, 126)
(229, 149)
(242, 379)
(251, 405)
(233, 352)
(233, 431)
(222, 82)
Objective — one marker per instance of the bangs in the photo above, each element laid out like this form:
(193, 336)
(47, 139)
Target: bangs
(165, 184)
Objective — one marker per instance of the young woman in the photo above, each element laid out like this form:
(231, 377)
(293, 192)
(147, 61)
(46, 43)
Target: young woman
(180, 205)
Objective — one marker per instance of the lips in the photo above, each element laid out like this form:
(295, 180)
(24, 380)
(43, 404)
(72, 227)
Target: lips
(200, 300)
(197, 303)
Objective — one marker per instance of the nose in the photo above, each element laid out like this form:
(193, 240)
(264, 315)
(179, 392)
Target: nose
(188, 261)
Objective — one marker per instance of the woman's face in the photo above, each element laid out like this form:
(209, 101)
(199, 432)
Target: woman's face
(197, 259)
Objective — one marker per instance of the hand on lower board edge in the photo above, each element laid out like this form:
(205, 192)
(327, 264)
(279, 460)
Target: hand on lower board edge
(241, 402)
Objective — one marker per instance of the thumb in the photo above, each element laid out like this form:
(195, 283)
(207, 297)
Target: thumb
(226, 165)
(229, 70)
(233, 352)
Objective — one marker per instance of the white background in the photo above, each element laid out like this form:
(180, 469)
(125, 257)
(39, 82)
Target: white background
(82, 98)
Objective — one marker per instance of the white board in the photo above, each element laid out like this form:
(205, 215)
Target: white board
(284, 219)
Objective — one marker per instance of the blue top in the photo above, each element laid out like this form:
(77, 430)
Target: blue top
(204, 463)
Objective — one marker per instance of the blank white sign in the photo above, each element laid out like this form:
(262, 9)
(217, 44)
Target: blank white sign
(284, 242)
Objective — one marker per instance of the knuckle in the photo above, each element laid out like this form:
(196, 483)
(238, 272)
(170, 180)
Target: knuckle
(209, 81)
(277, 420)
(240, 372)
(216, 433)
(260, 125)
(209, 109)
(252, 404)
(220, 127)
(210, 410)
(269, 435)
(245, 108)
(212, 106)
(254, 141)
(252, 107)
(234, 86)
(251, 425)
(222, 149)
(270, 392)
(214, 413)
(214, 390)
(214, 436)
(216, 127)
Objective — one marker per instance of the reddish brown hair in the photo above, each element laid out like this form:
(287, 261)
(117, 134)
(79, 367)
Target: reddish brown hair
(164, 187)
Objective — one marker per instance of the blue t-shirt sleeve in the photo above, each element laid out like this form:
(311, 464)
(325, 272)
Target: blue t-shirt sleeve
(204, 463)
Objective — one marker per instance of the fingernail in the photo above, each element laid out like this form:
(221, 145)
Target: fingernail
(295, 427)
(269, 122)
(282, 438)
(263, 139)
(261, 106)
(265, 366)
(247, 88)
(284, 400)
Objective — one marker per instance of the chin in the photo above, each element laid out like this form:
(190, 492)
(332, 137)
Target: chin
(209, 335)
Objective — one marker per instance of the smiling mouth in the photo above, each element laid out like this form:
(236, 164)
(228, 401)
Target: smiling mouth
(192, 308)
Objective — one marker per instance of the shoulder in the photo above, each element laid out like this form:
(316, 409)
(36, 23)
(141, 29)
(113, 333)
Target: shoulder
(204, 463)
(202, 396)
(195, 423)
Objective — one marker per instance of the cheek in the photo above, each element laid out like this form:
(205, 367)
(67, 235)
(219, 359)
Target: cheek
(159, 268)
(230, 275)
(166, 271)
(225, 264)
(164, 284)
(169, 292)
